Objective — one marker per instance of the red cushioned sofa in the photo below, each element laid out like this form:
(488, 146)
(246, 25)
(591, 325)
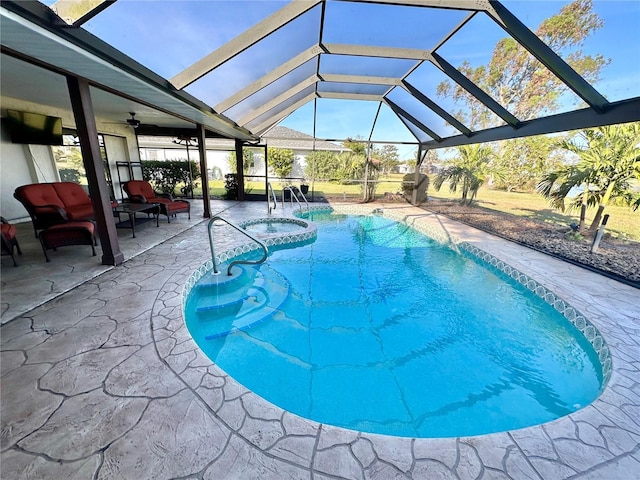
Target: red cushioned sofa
(54, 203)
(141, 191)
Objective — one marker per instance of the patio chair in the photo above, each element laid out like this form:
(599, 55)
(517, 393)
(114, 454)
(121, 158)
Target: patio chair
(9, 240)
(141, 191)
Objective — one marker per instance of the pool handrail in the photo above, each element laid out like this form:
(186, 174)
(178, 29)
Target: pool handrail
(265, 251)
(293, 195)
(275, 200)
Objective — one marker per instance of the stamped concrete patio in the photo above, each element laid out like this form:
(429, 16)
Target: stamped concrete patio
(103, 381)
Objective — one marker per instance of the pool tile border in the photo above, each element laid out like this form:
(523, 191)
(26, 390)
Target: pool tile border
(570, 313)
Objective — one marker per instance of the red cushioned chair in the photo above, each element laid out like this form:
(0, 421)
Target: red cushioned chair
(70, 233)
(141, 191)
(54, 203)
(9, 240)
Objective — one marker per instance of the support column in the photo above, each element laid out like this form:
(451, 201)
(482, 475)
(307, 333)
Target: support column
(240, 169)
(416, 177)
(94, 167)
(204, 172)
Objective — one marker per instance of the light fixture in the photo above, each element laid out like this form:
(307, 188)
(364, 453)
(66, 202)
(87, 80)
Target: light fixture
(132, 121)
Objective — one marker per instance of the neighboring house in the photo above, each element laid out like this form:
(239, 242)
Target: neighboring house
(301, 144)
(218, 150)
(405, 168)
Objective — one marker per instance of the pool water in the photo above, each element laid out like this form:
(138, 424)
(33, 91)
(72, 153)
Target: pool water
(377, 328)
(275, 226)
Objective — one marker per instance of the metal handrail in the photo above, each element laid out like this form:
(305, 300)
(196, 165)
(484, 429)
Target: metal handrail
(275, 200)
(293, 195)
(265, 251)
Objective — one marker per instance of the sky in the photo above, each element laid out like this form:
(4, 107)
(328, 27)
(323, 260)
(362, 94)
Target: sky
(169, 36)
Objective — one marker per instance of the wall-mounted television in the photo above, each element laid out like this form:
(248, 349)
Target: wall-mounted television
(34, 128)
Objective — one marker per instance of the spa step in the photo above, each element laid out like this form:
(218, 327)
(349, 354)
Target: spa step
(241, 275)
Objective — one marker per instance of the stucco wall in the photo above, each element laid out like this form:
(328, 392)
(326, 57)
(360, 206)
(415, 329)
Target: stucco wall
(14, 171)
(24, 164)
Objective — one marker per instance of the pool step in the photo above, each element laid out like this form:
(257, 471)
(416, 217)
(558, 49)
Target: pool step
(247, 305)
(222, 283)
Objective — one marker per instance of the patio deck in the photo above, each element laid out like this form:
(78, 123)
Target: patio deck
(100, 379)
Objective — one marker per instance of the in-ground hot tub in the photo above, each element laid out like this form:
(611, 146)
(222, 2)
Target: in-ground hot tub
(275, 226)
(281, 232)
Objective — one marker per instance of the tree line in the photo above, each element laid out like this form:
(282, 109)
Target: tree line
(589, 168)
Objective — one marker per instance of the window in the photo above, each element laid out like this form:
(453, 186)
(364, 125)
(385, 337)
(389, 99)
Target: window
(70, 165)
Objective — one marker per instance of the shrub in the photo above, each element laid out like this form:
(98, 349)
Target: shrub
(166, 175)
(69, 175)
(231, 186)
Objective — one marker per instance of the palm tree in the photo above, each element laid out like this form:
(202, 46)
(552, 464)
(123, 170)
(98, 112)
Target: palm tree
(609, 158)
(468, 170)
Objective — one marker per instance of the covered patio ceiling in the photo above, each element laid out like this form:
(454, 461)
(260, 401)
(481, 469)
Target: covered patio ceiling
(243, 67)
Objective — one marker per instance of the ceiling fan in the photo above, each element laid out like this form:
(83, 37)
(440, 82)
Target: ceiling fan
(132, 121)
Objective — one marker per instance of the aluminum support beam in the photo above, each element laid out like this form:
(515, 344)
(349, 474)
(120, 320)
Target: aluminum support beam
(248, 38)
(452, 4)
(351, 96)
(360, 79)
(453, 73)
(546, 56)
(240, 168)
(436, 108)
(201, 136)
(274, 102)
(269, 78)
(619, 112)
(372, 51)
(78, 12)
(401, 112)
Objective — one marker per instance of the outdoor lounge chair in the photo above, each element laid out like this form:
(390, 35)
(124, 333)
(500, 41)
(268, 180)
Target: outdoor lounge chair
(53, 203)
(141, 191)
(9, 240)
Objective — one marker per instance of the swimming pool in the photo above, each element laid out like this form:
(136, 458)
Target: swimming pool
(363, 335)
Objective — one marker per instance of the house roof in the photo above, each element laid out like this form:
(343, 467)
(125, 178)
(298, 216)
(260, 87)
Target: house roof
(283, 137)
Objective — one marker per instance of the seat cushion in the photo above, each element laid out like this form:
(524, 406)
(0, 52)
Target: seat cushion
(39, 194)
(8, 230)
(172, 205)
(71, 194)
(80, 212)
(140, 187)
(72, 225)
(178, 206)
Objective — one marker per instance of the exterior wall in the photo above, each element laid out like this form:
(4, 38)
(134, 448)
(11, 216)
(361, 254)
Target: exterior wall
(14, 171)
(24, 164)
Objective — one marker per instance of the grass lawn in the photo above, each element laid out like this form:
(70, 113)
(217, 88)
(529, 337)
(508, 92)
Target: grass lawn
(623, 222)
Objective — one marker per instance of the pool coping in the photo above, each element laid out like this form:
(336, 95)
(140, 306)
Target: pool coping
(577, 444)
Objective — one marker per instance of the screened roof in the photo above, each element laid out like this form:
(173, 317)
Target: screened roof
(387, 71)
